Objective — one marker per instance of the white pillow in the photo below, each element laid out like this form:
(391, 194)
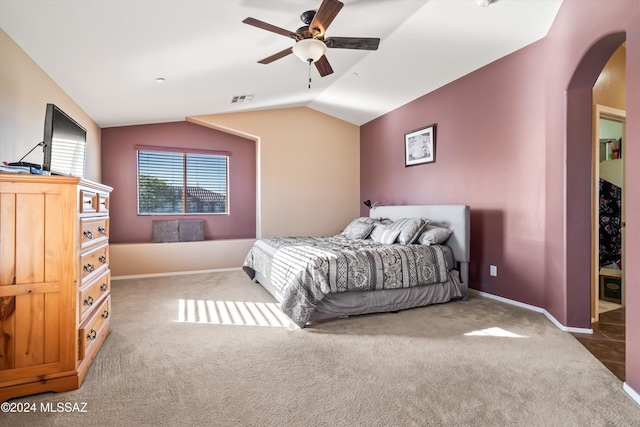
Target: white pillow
(379, 227)
(387, 236)
(434, 235)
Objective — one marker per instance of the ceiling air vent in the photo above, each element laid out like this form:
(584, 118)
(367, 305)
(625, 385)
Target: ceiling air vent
(241, 98)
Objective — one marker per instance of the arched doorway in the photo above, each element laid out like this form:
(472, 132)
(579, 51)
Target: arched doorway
(582, 210)
(579, 181)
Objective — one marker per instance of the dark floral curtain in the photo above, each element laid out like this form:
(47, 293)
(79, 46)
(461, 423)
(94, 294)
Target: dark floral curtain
(610, 222)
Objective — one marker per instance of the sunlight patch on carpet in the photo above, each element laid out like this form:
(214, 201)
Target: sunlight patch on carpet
(494, 332)
(237, 313)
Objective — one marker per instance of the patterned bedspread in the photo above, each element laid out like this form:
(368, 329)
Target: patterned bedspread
(305, 269)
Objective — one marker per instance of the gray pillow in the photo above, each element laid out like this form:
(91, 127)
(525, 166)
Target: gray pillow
(174, 230)
(358, 229)
(435, 235)
(410, 229)
(165, 231)
(191, 230)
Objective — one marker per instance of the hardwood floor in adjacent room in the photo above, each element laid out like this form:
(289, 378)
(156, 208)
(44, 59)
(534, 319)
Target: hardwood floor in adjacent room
(607, 343)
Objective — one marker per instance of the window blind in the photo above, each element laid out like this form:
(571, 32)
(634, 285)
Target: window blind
(173, 182)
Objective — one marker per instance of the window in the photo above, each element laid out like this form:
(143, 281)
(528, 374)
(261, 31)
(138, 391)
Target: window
(173, 181)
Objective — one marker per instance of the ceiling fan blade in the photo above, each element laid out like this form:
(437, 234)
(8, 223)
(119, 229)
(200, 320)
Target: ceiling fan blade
(323, 66)
(275, 56)
(325, 15)
(363, 43)
(265, 26)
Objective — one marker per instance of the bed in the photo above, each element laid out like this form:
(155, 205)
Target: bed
(316, 278)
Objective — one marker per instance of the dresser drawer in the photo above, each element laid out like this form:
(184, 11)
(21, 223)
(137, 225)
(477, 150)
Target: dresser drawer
(103, 203)
(93, 263)
(93, 231)
(88, 201)
(94, 328)
(93, 294)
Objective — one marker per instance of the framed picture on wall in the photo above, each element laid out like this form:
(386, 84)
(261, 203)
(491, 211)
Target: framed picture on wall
(420, 146)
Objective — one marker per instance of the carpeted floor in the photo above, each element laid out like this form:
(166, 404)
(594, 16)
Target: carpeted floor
(210, 350)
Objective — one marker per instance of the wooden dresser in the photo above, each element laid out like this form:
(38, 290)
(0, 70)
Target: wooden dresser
(55, 285)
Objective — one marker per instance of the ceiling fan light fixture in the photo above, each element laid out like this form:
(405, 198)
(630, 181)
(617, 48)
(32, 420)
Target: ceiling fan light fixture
(309, 49)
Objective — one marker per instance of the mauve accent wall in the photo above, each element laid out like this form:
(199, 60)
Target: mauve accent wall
(489, 155)
(119, 170)
(514, 143)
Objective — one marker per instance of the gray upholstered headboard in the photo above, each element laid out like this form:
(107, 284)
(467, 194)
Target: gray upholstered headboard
(455, 217)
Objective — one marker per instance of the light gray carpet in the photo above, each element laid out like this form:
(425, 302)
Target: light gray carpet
(475, 363)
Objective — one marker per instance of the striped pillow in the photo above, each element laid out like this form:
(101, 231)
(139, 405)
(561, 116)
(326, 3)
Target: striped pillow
(378, 227)
(410, 229)
(386, 236)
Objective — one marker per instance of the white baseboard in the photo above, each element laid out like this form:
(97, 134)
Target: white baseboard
(174, 273)
(631, 392)
(536, 309)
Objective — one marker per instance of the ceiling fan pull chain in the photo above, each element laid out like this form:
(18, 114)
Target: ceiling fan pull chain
(309, 61)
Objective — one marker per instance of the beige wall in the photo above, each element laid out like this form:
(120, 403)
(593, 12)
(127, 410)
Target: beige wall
(610, 88)
(309, 168)
(308, 184)
(610, 91)
(25, 90)
(151, 259)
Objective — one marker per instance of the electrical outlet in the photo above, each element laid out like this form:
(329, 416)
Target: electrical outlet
(493, 270)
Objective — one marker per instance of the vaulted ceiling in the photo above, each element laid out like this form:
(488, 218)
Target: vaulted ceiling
(107, 55)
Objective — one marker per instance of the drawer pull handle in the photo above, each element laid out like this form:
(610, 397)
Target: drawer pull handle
(105, 314)
(103, 259)
(87, 202)
(88, 301)
(92, 335)
(104, 287)
(88, 268)
(88, 234)
(102, 231)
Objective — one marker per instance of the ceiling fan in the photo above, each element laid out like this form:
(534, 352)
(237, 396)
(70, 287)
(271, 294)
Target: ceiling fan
(310, 43)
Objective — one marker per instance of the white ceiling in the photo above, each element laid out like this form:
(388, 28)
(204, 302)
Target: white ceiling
(107, 54)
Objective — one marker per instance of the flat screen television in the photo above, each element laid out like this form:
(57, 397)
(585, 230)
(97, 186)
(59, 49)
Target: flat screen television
(65, 144)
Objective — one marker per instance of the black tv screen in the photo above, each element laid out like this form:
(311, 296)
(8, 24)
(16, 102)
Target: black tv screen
(65, 143)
